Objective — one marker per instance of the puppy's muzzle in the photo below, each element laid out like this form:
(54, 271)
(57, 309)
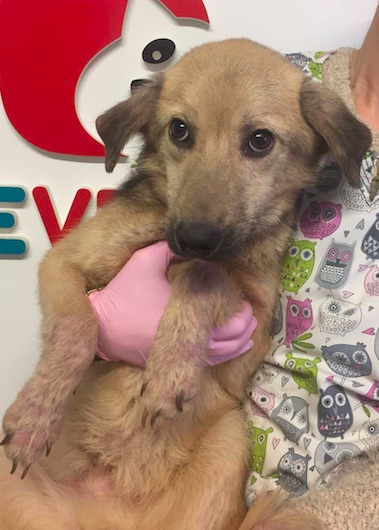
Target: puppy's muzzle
(196, 240)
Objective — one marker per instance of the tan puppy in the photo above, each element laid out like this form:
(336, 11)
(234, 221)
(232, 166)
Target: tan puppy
(233, 134)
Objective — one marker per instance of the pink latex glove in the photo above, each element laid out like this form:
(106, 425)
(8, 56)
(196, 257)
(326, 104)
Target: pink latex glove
(129, 308)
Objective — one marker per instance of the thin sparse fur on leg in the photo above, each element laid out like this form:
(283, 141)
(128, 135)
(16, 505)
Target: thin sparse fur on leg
(202, 296)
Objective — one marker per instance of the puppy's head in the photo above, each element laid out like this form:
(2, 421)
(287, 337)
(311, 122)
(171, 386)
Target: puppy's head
(237, 133)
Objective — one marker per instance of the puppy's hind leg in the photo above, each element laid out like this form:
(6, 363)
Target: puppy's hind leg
(207, 493)
(273, 512)
(35, 503)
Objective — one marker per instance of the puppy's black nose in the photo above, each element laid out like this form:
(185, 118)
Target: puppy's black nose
(199, 240)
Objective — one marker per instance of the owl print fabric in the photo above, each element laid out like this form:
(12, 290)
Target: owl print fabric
(315, 400)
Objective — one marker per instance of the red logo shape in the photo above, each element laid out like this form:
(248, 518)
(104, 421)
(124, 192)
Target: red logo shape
(49, 217)
(44, 47)
(194, 9)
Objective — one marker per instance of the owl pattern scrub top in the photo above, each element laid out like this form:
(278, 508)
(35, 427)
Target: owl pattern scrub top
(314, 402)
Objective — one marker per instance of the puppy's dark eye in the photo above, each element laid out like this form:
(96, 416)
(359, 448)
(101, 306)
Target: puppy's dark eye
(260, 142)
(179, 131)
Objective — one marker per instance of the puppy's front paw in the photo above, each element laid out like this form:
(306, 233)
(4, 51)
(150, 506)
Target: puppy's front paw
(30, 429)
(166, 393)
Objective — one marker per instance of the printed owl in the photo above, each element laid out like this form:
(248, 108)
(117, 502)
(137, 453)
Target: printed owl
(270, 371)
(277, 322)
(372, 397)
(299, 318)
(370, 243)
(359, 198)
(261, 401)
(298, 59)
(315, 69)
(292, 417)
(298, 265)
(321, 219)
(258, 439)
(369, 434)
(250, 495)
(334, 412)
(329, 455)
(348, 360)
(372, 281)
(304, 372)
(335, 265)
(339, 316)
(294, 472)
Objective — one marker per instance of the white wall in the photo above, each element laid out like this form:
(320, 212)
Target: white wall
(292, 25)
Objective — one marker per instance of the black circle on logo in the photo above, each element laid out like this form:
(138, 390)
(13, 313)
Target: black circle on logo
(158, 51)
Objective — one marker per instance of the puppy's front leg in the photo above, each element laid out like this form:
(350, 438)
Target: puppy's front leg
(88, 257)
(202, 296)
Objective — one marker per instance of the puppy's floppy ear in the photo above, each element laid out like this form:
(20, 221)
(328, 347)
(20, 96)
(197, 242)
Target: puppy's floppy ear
(346, 137)
(128, 118)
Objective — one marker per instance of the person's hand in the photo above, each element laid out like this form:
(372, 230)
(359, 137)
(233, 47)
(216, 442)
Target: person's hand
(129, 308)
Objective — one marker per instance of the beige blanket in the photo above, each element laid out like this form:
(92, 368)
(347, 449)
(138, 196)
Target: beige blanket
(351, 500)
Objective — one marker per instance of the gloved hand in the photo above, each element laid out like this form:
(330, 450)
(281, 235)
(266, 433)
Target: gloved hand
(129, 308)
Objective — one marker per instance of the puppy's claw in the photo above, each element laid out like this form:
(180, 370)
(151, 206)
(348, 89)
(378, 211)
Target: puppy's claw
(154, 417)
(14, 466)
(144, 418)
(179, 401)
(143, 388)
(7, 438)
(24, 473)
(48, 449)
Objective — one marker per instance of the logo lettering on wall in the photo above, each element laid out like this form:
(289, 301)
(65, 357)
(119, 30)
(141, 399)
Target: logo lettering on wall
(76, 213)
(11, 197)
(16, 196)
(45, 46)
